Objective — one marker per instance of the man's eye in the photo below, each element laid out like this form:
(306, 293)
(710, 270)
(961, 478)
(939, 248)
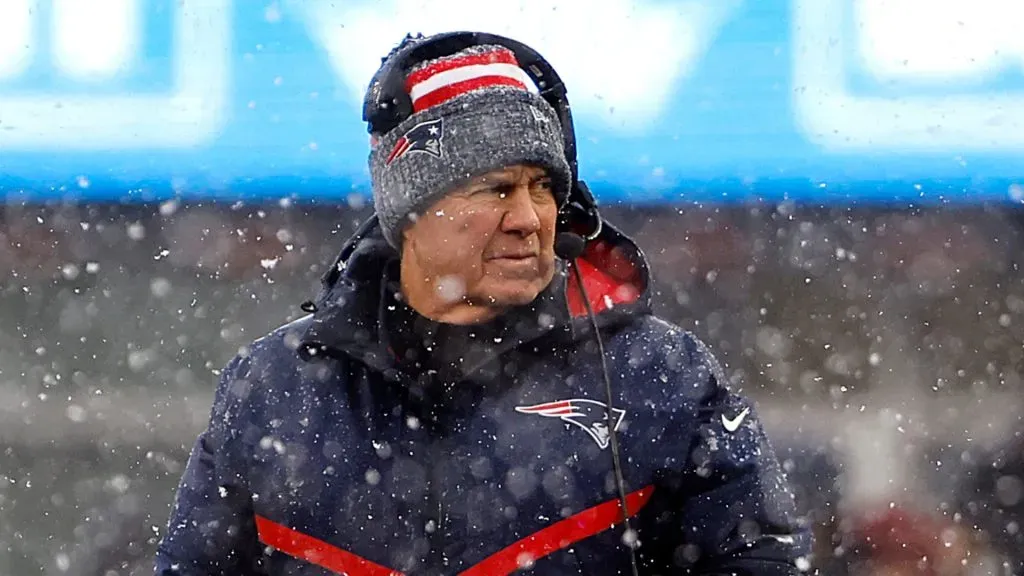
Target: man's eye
(543, 187)
(486, 189)
(502, 190)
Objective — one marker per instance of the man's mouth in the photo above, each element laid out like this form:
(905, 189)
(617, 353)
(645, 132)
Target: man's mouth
(515, 256)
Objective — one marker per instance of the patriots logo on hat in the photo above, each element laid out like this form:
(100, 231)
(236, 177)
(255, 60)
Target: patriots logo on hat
(589, 415)
(423, 137)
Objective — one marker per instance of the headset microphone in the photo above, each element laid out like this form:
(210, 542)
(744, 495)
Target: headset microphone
(569, 245)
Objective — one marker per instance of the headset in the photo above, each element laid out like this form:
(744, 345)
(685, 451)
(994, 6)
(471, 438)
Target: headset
(387, 104)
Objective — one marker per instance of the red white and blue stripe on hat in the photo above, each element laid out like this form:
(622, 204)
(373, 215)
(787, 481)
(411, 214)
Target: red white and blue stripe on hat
(479, 67)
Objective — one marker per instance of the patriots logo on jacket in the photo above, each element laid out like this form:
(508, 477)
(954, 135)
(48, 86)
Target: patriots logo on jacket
(423, 137)
(590, 415)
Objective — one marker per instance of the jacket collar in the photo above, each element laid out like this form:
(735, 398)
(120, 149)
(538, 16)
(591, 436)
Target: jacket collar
(351, 316)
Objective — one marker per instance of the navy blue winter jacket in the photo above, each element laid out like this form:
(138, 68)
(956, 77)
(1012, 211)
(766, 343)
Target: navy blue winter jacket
(336, 445)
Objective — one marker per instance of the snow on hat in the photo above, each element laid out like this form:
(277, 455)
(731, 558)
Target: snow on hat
(473, 112)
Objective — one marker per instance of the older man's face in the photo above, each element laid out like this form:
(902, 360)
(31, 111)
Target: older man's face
(489, 243)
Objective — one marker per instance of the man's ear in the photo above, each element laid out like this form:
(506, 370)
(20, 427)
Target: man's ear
(406, 238)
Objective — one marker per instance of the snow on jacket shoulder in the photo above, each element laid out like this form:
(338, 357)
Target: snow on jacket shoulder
(326, 454)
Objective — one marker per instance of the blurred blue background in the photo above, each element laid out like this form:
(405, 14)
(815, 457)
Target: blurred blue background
(690, 101)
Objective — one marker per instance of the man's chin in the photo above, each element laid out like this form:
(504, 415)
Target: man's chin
(513, 299)
(505, 292)
(510, 295)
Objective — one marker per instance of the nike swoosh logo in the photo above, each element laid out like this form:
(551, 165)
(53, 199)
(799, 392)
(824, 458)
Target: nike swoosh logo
(734, 424)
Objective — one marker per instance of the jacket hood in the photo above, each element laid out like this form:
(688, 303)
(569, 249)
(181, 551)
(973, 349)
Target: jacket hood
(348, 313)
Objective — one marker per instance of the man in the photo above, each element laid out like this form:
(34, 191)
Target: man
(443, 410)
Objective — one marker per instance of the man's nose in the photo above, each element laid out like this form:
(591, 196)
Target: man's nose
(520, 212)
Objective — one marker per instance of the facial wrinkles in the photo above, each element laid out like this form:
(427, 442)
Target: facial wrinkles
(459, 240)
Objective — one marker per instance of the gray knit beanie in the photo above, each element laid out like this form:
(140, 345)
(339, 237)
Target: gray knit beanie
(474, 111)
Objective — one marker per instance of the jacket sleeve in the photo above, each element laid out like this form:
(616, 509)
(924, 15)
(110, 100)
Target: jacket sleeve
(212, 529)
(733, 502)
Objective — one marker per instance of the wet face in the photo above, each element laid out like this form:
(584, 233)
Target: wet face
(486, 246)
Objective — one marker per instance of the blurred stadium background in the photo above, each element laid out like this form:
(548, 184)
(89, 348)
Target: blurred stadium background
(829, 196)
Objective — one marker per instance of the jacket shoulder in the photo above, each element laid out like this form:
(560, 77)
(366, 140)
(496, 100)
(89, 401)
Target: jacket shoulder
(277, 351)
(667, 362)
(270, 362)
(662, 341)
(261, 375)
